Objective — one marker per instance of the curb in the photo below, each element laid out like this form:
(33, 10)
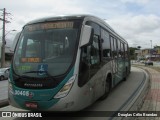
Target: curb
(136, 100)
(4, 103)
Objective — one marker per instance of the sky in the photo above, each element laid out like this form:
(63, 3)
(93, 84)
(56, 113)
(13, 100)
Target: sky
(137, 21)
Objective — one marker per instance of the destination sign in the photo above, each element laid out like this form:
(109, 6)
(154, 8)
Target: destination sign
(31, 60)
(50, 25)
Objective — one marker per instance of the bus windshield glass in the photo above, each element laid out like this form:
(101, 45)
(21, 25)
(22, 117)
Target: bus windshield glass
(46, 48)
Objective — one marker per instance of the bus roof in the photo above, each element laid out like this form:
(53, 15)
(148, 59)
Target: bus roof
(60, 17)
(77, 16)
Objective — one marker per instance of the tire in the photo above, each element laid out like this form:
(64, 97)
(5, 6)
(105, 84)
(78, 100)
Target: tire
(1, 78)
(107, 88)
(126, 74)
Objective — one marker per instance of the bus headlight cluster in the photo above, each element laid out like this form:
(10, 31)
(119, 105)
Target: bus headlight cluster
(10, 88)
(66, 88)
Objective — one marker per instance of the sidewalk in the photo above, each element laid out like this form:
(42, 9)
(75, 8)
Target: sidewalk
(156, 64)
(152, 99)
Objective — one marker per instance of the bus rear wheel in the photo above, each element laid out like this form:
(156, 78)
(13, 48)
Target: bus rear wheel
(125, 74)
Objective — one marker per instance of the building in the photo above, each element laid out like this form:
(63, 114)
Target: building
(152, 54)
(8, 55)
(156, 53)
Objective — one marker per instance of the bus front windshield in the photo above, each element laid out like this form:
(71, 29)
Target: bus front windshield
(46, 48)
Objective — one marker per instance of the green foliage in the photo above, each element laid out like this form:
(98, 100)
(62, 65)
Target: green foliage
(132, 53)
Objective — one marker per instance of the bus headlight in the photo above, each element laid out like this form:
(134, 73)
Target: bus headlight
(66, 88)
(10, 88)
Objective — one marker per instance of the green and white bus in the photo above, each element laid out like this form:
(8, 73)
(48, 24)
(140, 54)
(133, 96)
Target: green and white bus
(66, 63)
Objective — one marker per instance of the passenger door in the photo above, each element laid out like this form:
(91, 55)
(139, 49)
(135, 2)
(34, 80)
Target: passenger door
(95, 68)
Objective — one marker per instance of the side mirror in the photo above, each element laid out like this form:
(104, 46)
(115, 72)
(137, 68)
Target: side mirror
(86, 36)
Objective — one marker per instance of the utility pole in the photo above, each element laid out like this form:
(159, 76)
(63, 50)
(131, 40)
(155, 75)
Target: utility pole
(151, 44)
(3, 37)
(151, 50)
(3, 40)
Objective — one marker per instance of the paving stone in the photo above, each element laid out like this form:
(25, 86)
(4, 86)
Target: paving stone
(152, 99)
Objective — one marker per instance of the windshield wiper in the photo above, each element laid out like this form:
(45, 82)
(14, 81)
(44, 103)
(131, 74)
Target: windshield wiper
(36, 72)
(39, 72)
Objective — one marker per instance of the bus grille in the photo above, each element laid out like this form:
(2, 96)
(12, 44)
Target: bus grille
(36, 83)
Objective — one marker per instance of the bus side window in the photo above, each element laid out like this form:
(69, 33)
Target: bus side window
(126, 51)
(119, 48)
(122, 50)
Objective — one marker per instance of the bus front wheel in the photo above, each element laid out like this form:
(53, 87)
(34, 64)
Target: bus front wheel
(107, 88)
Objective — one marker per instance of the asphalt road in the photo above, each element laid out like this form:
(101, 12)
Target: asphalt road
(155, 64)
(3, 89)
(121, 97)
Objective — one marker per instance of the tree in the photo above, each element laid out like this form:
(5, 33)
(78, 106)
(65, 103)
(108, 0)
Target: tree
(139, 47)
(132, 52)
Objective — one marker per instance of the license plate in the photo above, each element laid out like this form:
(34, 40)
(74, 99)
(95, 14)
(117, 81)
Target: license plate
(33, 105)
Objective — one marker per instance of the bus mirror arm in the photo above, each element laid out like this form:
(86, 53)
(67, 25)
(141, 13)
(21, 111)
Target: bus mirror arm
(87, 36)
